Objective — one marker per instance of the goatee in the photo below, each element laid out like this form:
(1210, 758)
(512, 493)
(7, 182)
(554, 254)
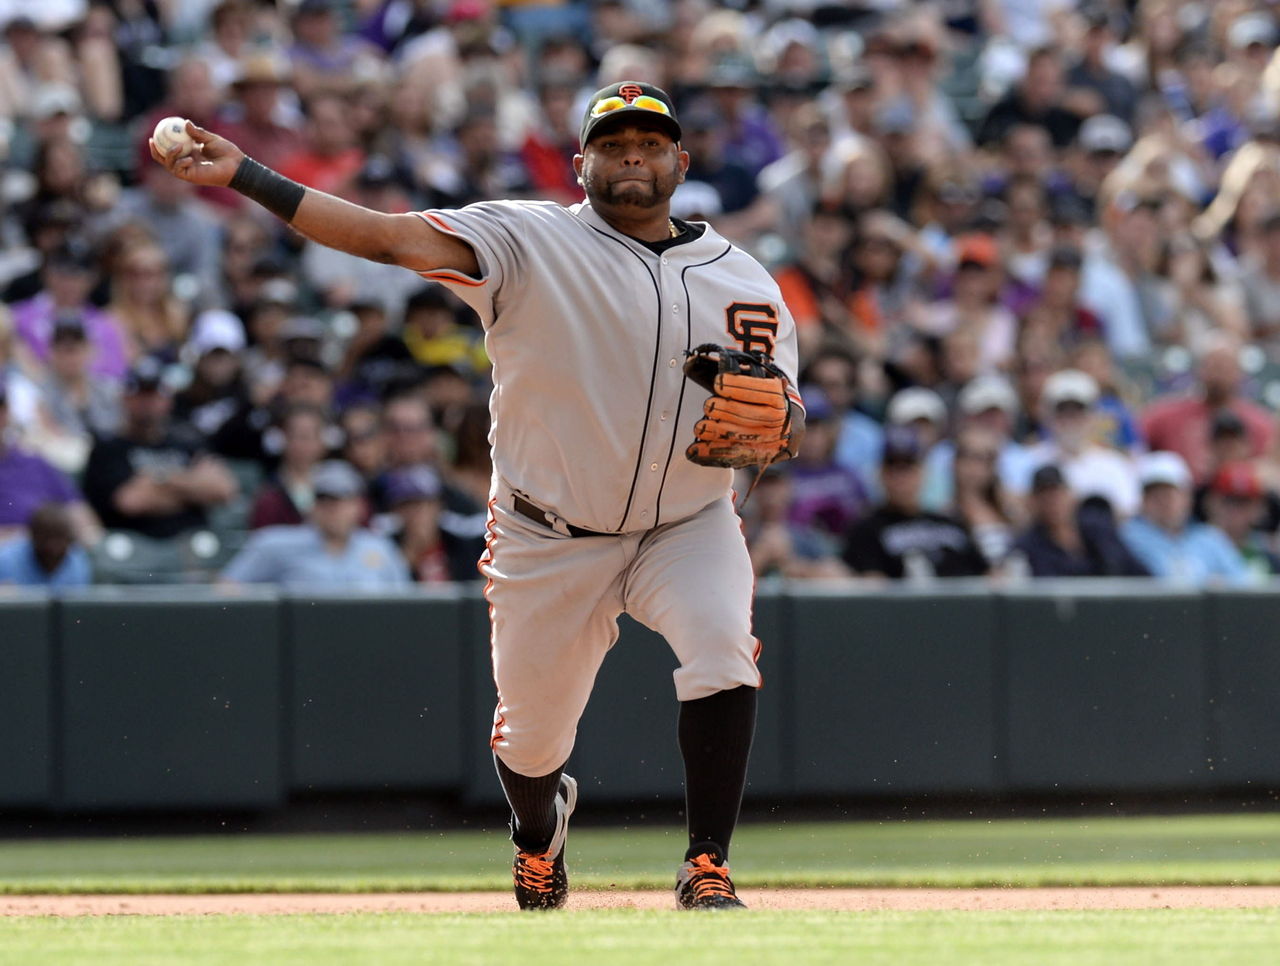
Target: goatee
(632, 194)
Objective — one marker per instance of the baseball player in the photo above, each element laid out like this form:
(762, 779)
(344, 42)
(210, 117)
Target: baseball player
(612, 471)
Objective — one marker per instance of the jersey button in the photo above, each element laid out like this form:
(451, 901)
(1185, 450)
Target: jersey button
(653, 467)
(664, 417)
(672, 364)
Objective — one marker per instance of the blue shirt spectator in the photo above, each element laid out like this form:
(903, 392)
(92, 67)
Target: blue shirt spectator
(1163, 536)
(300, 559)
(19, 565)
(1198, 553)
(47, 555)
(331, 551)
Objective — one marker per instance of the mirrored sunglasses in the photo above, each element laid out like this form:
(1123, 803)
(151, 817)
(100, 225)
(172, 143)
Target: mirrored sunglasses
(607, 105)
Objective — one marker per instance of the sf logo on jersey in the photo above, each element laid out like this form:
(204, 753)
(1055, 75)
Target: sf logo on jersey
(754, 325)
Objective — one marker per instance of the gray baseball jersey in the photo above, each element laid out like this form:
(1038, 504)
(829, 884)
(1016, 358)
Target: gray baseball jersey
(587, 329)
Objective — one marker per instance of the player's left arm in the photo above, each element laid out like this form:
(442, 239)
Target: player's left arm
(787, 357)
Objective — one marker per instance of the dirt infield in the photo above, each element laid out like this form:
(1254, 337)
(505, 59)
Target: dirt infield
(865, 900)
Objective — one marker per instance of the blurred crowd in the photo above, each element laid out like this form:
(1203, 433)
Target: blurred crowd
(1032, 248)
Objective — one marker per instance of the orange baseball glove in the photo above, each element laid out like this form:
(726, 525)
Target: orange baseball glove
(747, 419)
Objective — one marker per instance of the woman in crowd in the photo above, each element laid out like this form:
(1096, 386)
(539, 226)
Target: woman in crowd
(154, 318)
(980, 502)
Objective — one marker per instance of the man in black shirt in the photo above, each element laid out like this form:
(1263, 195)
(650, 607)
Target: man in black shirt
(1037, 99)
(1065, 540)
(151, 478)
(899, 539)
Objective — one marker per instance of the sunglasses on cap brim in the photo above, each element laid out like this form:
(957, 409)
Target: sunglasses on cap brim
(607, 105)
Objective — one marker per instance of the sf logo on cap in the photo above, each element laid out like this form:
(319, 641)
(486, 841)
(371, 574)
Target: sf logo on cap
(629, 92)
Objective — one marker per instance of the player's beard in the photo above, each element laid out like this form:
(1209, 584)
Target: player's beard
(632, 193)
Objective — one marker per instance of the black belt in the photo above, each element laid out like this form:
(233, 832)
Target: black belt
(538, 515)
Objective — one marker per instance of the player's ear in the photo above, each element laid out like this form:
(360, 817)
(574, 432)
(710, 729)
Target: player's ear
(578, 161)
(682, 160)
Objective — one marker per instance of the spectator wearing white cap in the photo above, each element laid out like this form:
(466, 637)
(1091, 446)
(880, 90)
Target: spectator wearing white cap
(216, 389)
(1251, 39)
(990, 403)
(923, 412)
(1164, 537)
(1068, 413)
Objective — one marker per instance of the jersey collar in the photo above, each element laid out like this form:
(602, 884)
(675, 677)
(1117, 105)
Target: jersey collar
(709, 239)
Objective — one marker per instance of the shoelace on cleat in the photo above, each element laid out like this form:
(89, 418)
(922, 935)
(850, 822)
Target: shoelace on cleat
(534, 871)
(709, 879)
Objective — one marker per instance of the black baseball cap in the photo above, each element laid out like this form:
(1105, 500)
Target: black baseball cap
(629, 98)
(69, 327)
(147, 375)
(1047, 477)
(901, 445)
(1065, 256)
(74, 255)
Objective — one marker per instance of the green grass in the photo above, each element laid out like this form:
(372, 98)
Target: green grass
(1085, 851)
(624, 938)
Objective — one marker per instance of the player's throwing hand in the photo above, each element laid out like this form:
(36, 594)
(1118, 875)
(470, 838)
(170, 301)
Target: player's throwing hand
(213, 161)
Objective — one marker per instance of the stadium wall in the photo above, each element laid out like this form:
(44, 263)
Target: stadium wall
(122, 699)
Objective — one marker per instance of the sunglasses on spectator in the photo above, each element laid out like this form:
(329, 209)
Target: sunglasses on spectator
(646, 103)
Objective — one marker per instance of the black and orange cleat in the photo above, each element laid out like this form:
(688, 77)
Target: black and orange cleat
(703, 881)
(541, 881)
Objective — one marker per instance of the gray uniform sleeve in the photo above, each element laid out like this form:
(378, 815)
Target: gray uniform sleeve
(493, 229)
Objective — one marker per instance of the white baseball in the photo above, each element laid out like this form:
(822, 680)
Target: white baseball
(171, 132)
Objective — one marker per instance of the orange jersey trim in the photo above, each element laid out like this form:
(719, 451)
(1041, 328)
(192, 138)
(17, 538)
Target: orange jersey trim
(445, 274)
(487, 558)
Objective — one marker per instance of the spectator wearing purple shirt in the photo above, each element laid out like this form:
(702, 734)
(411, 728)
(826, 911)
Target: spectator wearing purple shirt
(826, 497)
(68, 278)
(27, 482)
(750, 137)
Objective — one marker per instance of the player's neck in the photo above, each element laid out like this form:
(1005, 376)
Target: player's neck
(652, 226)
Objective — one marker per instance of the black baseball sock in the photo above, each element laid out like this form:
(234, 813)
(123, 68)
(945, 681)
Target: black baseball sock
(533, 806)
(715, 739)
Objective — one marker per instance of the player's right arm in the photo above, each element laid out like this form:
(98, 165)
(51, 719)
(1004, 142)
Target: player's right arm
(404, 240)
